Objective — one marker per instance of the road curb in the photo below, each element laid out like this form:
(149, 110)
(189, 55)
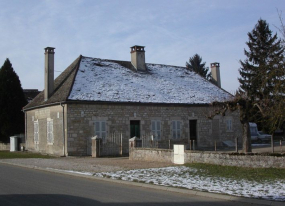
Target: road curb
(157, 187)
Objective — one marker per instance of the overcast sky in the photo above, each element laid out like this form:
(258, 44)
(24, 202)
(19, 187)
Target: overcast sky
(171, 30)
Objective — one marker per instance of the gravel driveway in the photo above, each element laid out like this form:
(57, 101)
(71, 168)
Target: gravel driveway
(87, 164)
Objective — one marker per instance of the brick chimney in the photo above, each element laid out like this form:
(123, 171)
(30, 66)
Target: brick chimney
(138, 57)
(215, 70)
(49, 72)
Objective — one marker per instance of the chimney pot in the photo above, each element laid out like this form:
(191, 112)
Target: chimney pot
(215, 70)
(138, 57)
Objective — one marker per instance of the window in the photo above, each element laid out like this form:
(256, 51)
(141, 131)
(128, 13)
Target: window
(100, 129)
(50, 139)
(36, 132)
(229, 124)
(155, 129)
(176, 129)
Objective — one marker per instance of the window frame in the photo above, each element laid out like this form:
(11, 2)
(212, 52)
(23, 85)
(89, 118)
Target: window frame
(50, 136)
(156, 129)
(101, 133)
(36, 132)
(229, 125)
(175, 131)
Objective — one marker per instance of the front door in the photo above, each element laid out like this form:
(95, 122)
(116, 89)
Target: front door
(193, 130)
(135, 128)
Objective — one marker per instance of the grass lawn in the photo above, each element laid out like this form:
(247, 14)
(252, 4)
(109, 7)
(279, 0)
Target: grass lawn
(11, 155)
(238, 173)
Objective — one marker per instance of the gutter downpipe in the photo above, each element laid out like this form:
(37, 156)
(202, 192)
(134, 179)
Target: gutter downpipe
(63, 128)
(26, 133)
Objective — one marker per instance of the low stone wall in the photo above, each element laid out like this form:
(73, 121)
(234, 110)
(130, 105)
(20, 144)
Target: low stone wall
(255, 161)
(4, 146)
(226, 159)
(150, 154)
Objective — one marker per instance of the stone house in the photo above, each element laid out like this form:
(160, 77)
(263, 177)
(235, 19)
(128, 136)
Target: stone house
(99, 97)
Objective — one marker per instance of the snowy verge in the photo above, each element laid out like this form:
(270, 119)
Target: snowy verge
(189, 178)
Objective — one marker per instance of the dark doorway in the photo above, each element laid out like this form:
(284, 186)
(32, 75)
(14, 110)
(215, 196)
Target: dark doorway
(135, 128)
(193, 130)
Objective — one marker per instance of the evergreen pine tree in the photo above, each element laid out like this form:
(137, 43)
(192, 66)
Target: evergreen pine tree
(195, 64)
(262, 77)
(265, 52)
(12, 100)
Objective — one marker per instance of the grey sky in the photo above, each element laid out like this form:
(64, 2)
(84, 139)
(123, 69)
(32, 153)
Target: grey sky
(171, 30)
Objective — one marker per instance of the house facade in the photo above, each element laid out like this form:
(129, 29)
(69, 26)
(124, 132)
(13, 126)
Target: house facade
(97, 97)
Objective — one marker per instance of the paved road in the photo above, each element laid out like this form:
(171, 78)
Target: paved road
(23, 186)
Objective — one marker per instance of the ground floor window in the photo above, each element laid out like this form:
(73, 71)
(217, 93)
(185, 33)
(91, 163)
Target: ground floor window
(50, 139)
(176, 129)
(100, 129)
(229, 125)
(36, 132)
(156, 129)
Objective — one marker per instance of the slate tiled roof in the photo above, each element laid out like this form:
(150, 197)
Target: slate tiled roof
(100, 80)
(62, 85)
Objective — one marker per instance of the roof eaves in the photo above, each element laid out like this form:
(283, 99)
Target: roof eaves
(135, 103)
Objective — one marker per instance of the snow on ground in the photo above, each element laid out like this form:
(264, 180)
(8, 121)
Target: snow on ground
(106, 80)
(72, 171)
(189, 178)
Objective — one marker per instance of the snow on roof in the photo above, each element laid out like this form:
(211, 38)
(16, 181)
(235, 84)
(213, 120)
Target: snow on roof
(107, 80)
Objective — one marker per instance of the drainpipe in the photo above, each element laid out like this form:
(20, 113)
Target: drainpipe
(63, 129)
(25, 129)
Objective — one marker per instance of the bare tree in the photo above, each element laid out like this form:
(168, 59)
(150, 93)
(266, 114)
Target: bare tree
(281, 28)
(242, 104)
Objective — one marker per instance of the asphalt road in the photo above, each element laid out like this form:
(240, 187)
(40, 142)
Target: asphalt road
(29, 187)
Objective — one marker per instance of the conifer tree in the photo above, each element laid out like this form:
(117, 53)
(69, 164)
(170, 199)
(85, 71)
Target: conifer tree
(195, 64)
(12, 100)
(264, 54)
(262, 77)
(262, 84)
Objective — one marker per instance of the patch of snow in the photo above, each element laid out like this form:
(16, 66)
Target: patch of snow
(103, 80)
(72, 171)
(190, 178)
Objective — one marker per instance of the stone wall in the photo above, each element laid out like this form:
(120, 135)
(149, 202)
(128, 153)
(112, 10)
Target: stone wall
(41, 116)
(167, 155)
(81, 119)
(79, 125)
(153, 155)
(260, 161)
(4, 146)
